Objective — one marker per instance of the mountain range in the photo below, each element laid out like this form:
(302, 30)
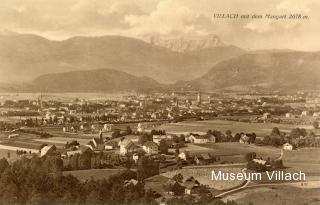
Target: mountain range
(116, 63)
(291, 70)
(24, 57)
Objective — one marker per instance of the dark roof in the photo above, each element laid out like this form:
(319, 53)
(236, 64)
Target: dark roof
(150, 144)
(191, 183)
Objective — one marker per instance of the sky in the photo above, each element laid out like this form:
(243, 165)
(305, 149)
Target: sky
(61, 19)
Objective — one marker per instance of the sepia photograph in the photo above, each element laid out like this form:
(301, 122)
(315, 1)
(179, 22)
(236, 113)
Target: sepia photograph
(159, 102)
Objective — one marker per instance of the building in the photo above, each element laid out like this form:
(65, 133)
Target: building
(127, 146)
(158, 138)
(97, 143)
(48, 150)
(287, 146)
(183, 155)
(110, 145)
(202, 139)
(150, 148)
(13, 136)
(191, 184)
(204, 159)
(244, 139)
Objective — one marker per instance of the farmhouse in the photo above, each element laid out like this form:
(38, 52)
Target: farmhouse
(287, 146)
(202, 139)
(150, 148)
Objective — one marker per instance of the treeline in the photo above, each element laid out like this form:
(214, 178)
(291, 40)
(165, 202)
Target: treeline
(298, 137)
(32, 181)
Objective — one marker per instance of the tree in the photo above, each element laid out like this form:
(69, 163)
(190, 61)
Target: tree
(178, 178)
(316, 124)
(128, 130)
(163, 147)
(116, 133)
(147, 167)
(3, 165)
(250, 156)
(275, 132)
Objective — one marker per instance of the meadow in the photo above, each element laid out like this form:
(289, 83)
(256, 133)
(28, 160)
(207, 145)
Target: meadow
(261, 129)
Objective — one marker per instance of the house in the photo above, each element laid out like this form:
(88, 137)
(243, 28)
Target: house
(48, 150)
(127, 146)
(13, 136)
(158, 138)
(287, 146)
(110, 145)
(204, 159)
(135, 157)
(150, 148)
(244, 139)
(199, 139)
(191, 184)
(266, 116)
(184, 155)
(131, 182)
(288, 115)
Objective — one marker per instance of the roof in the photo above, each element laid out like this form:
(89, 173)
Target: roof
(150, 144)
(46, 149)
(201, 136)
(191, 182)
(98, 140)
(125, 142)
(259, 161)
(111, 143)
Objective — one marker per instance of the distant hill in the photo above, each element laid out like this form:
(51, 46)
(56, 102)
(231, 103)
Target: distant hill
(270, 70)
(93, 81)
(25, 56)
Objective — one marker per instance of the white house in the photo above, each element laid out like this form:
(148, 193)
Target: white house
(202, 139)
(287, 146)
(127, 146)
(183, 155)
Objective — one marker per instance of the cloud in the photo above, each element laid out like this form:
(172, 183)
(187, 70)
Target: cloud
(59, 19)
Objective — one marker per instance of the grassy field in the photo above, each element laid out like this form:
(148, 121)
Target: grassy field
(261, 129)
(231, 148)
(96, 174)
(203, 175)
(281, 195)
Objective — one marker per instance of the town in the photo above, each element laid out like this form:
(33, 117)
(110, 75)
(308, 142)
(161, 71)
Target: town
(165, 143)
